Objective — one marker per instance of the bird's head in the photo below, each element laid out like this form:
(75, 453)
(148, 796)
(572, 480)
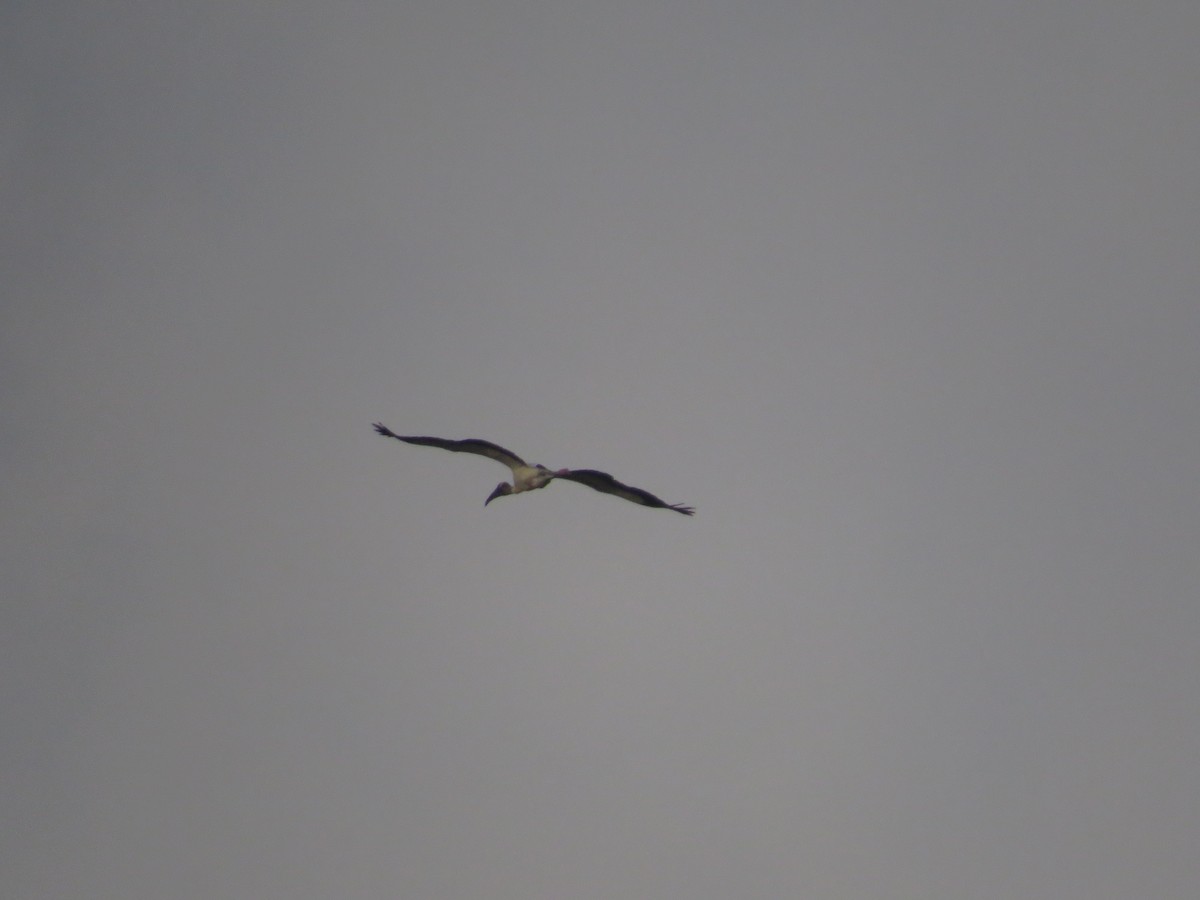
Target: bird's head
(501, 490)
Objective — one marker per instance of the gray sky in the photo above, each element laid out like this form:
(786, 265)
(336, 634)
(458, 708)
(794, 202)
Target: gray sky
(902, 296)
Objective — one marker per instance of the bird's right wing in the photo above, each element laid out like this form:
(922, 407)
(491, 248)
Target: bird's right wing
(606, 484)
(470, 445)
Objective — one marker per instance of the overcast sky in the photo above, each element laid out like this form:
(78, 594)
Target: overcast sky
(903, 296)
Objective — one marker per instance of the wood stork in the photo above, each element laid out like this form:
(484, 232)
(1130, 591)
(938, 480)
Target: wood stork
(530, 478)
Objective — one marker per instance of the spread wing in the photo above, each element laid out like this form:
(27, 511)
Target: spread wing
(470, 445)
(606, 484)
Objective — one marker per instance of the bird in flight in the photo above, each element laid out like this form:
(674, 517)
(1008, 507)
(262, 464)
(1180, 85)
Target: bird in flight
(530, 478)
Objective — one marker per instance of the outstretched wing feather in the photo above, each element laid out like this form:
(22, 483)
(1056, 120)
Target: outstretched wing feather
(606, 484)
(469, 445)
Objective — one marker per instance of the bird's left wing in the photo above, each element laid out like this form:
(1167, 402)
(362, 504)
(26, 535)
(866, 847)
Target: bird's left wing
(606, 484)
